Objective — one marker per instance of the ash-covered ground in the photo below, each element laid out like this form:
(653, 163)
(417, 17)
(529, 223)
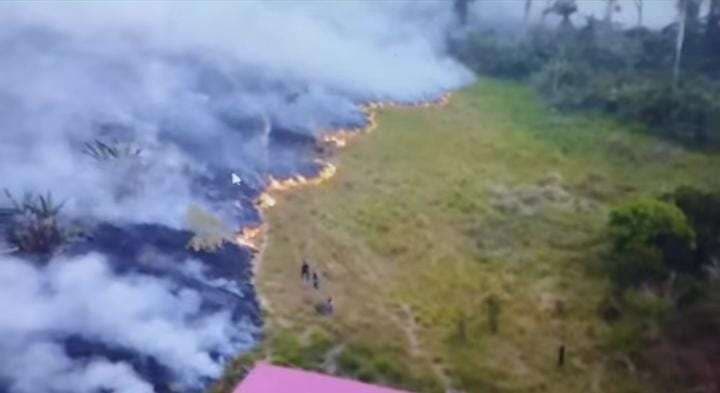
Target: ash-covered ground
(134, 116)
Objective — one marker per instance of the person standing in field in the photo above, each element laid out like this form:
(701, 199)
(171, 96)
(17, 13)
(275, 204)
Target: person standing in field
(305, 271)
(315, 281)
(329, 306)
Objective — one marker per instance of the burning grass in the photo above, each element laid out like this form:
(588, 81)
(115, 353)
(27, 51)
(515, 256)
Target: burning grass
(413, 240)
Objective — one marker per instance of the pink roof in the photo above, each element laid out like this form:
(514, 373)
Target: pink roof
(266, 378)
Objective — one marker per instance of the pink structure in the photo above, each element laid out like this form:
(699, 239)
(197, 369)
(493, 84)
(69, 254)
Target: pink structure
(266, 378)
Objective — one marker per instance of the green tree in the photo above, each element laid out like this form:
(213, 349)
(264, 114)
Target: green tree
(647, 235)
(646, 222)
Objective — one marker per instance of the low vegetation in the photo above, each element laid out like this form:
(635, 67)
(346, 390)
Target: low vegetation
(34, 226)
(466, 247)
(105, 151)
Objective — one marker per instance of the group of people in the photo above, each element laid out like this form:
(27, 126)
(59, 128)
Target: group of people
(307, 276)
(312, 277)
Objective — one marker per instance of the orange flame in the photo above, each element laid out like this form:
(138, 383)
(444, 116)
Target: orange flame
(340, 138)
(248, 237)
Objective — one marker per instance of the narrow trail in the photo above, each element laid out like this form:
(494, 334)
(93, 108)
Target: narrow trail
(406, 321)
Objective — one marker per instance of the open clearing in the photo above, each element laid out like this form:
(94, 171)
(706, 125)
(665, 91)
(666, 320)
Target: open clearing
(439, 210)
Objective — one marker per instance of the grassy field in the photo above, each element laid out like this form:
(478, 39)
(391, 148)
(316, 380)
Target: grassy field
(462, 246)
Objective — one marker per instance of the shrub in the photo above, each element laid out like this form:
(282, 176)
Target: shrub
(34, 227)
(635, 266)
(648, 222)
(688, 113)
(487, 54)
(647, 236)
(102, 151)
(703, 211)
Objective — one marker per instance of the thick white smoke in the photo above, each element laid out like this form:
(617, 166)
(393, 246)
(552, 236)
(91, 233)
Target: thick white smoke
(171, 74)
(81, 296)
(199, 88)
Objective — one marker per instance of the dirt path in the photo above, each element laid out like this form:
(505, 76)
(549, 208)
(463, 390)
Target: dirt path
(406, 321)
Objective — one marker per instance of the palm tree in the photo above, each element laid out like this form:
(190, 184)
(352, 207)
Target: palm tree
(548, 3)
(688, 11)
(564, 8)
(712, 32)
(639, 6)
(528, 7)
(682, 6)
(611, 6)
(461, 10)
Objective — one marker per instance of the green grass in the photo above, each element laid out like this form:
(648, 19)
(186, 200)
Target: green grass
(439, 210)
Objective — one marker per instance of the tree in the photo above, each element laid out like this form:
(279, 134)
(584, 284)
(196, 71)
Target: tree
(526, 18)
(645, 222)
(548, 3)
(563, 8)
(639, 7)
(679, 40)
(461, 10)
(611, 6)
(688, 11)
(703, 212)
(648, 236)
(712, 32)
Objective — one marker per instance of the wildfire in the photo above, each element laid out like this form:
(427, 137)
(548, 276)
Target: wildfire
(248, 237)
(328, 170)
(340, 138)
(439, 102)
(265, 201)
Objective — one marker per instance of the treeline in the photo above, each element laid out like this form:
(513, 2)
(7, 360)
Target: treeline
(666, 79)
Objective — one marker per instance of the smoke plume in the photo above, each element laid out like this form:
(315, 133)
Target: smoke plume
(132, 112)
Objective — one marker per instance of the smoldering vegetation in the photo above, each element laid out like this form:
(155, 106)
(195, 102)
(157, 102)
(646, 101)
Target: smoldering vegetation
(123, 116)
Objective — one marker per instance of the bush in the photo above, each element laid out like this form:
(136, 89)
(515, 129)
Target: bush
(486, 54)
(648, 222)
(104, 151)
(703, 211)
(688, 113)
(647, 236)
(34, 227)
(636, 265)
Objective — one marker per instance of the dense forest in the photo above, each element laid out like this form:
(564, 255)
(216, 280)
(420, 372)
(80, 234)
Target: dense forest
(663, 258)
(665, 79)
